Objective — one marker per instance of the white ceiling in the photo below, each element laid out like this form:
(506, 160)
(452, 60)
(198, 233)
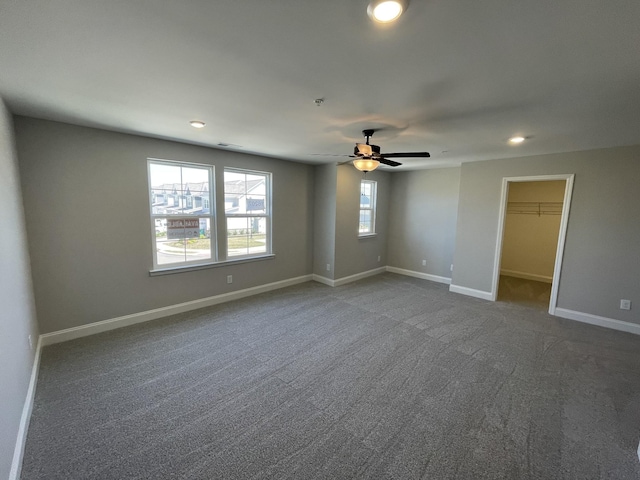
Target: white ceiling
(454, 77)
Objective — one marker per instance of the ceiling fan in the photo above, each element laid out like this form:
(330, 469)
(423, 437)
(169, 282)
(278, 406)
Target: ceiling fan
(368, 157)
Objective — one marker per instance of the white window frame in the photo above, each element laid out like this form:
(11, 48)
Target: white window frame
(371, 208)
(267, 215)
(211, 216)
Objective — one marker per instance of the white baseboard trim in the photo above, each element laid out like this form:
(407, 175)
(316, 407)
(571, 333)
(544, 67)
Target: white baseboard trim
(358, 276)
(21, 439)
(527, 276)
(351, 278)
(600, 321)
(424, 276)
(324, 280)
(471, 292)
(127, 320)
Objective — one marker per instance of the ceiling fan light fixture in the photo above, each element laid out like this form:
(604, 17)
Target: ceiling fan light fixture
(366, 164)
(386, 11)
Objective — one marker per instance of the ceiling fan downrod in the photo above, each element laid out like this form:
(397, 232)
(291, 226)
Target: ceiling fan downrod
(368, 134)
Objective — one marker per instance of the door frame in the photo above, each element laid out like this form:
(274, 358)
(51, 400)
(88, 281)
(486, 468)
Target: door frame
(562, 234)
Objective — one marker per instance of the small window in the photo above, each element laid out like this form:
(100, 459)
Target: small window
(367, 207)
(247, 207)
(181, 220)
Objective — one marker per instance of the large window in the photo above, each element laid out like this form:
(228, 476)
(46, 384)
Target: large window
(367, 208)
(182, 219)
(247, 207)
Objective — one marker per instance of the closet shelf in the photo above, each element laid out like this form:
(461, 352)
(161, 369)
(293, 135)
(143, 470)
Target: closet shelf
(534, 208)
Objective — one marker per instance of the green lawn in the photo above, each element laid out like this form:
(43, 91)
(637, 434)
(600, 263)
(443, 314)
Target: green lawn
(239, 241)
(194, 243)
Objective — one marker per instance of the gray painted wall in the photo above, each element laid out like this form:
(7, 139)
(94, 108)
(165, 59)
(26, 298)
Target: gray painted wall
(87, 213)
(354, 254)
(16, 297)
(422, 223)
(601, 261)
(324, 240)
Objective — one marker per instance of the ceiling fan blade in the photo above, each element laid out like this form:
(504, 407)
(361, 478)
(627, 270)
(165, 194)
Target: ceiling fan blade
(406, 155)
(391, 163)
(327, 155)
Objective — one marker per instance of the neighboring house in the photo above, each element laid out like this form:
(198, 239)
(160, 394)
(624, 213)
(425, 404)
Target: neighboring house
(170, 199)
(237, 200)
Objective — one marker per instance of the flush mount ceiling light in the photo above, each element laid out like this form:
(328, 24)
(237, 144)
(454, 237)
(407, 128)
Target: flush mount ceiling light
(385, 11)
(197, 124)
(366, 164)
(516, 140)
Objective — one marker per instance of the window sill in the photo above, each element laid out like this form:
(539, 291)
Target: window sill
(368, 235)
(203, 266)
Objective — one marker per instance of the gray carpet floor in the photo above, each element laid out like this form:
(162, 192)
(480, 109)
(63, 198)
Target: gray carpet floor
(388, 377)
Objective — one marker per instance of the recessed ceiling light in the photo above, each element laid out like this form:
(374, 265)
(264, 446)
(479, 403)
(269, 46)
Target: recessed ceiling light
(385, 11)
(516, 140)
(197, 124)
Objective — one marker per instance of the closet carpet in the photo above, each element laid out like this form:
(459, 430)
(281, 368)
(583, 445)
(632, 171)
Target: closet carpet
(525, 292)
(388, 377)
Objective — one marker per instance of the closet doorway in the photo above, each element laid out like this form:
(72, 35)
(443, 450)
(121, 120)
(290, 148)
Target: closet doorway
(533, 221)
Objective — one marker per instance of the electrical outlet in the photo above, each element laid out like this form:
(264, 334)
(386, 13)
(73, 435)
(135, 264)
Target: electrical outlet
(328, 267)
(424, 263)
(625, 304)
(378, 257)
(229, 278)
(30, 342)
(451, 268)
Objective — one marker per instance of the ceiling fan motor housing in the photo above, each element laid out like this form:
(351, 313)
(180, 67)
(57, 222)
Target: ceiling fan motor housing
(365, 150)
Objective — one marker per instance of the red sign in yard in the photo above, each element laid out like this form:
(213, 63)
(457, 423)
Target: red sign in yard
(183, 228)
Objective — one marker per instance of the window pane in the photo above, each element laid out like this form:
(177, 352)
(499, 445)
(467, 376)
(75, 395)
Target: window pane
(247, 207)
(367, 206)
(245, 193)
(246, 235)
(162, 173)
(178, 190)
(195, 175)
(365, 221)
(256, 184)
(192, 243)
(365, 194)
(181, 213)
(236, 179)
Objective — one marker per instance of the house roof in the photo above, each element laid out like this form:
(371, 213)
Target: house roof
(454, 78)
(240, 186)
(197, 188)
(190, 188)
